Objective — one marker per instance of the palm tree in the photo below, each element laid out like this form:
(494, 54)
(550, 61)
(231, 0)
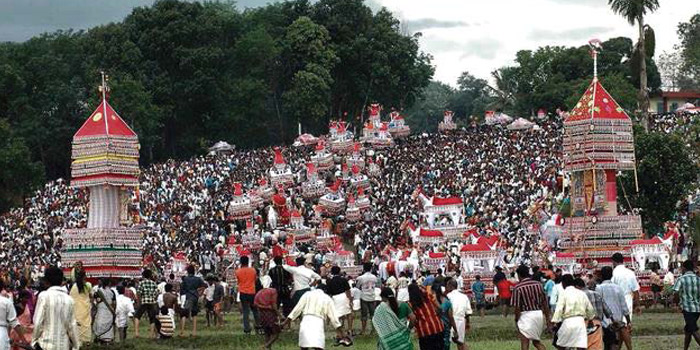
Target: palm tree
(634, 11)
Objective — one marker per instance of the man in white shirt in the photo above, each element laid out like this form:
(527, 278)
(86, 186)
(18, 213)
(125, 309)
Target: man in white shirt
(461, 310)
(124, 310)
(316, 307)
(627, 280)
(8, 319)
(304, 278)
(55, 327)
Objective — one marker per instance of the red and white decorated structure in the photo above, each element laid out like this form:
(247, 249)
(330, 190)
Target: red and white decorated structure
(375, 132)
(444, 215)
(333, 202)
(341, 139)
(313, 187)
(280, 172)
(240, 207)
(105, 162)
(397, 126)
(447, 124)
(322, 158)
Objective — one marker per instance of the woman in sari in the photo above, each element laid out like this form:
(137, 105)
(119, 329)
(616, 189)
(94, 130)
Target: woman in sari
(448, 320)
(106, 305)
(393, 333)
(81, 293)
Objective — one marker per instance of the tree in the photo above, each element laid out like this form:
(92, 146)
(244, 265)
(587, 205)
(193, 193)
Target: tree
(18, 173)
(666, 172)
(634, 11)
(471, 97)
(426, 113)
(689, 34)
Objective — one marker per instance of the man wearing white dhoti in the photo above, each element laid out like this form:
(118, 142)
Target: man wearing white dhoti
(461, 310)
(573, 311)
(531, 309)
(316, 307)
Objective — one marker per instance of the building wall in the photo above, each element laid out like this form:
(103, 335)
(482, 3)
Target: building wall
(656, 104)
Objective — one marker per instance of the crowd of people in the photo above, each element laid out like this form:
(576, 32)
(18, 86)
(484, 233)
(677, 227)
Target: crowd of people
(580, 311)
(500, 175)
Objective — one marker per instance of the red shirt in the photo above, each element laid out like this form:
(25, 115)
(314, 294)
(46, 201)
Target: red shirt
(246, 277)
(504, 289)
(428, 321)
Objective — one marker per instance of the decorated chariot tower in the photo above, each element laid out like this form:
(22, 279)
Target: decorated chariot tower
(598, 143)
(105, 163)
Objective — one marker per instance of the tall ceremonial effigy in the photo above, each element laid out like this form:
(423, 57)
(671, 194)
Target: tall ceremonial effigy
(598, 142)
(105, 162)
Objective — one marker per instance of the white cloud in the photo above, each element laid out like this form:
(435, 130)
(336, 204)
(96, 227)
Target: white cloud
(493, 31)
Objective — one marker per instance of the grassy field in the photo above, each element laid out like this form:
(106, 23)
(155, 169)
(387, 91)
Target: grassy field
(652, 331)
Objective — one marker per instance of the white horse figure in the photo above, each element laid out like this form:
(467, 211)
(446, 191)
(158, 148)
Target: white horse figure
(272, 218)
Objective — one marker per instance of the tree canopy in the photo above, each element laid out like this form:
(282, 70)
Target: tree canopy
(187, 74)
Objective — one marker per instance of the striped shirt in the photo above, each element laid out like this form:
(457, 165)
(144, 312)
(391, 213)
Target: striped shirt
(428, 321)
(688, 288)
(528, 295)
(55, 327)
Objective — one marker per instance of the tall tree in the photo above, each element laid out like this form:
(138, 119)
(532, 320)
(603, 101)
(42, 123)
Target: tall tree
(666, 172)
(634, 11)
(689, 35)
(18, 173)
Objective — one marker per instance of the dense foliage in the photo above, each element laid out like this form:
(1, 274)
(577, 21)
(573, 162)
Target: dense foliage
(187, 74)
(666, 173)
(548, 78)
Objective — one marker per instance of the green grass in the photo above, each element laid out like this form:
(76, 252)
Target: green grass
(652, 331)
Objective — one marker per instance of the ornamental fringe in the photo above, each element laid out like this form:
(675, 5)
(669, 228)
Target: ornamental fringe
(104, 168)
(127, 237)
(105, 180)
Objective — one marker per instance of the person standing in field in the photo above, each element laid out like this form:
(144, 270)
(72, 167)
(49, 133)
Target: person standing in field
(247, 277)
(366, 283)
(687, 294)
(191, 288)
(478, 289)
(627, 280)
(531, 310)
(54, 320)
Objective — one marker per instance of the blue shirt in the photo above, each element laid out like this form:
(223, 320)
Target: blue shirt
(614, 299)
(548, 286)
(478, 291)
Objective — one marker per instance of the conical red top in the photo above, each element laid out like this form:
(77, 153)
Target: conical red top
(351, 199)
(357, 147)
(596, 103)
(355, 169)
(320, 146)
(310, 168)
(104, 121)
(279, 159)
(237, 189)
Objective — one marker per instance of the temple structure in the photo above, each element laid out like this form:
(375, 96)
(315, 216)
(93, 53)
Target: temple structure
(397, 126)
(444, 215)
(105, 163)
(375, 132)
(280, 172)
(447, 124)
(598, 143)
(313, 187)
(341, 139)
(322, 158)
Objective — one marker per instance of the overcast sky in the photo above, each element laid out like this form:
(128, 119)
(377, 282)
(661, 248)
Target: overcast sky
(473, 35)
